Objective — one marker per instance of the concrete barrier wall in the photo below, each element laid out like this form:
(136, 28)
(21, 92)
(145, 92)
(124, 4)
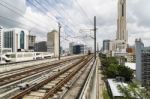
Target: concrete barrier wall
(89, 89)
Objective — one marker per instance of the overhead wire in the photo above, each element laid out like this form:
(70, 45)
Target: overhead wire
(43, 7)
(58, 12)
(84, 12)
(16, 12)
(20, 26)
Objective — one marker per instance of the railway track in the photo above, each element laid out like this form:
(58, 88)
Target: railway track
(54, 83)
(12, 76)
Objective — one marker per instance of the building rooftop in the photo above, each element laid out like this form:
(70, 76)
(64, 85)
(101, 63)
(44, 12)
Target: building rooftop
(131, 65)
(114, 87)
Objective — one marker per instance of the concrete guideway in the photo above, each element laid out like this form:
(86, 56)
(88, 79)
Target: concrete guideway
(94, 85)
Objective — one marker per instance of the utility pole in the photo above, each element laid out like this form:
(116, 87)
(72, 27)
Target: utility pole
(95, 37)
(59, 26)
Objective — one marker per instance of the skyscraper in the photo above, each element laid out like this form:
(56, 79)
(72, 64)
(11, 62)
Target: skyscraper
(121, 22)
(122, 35)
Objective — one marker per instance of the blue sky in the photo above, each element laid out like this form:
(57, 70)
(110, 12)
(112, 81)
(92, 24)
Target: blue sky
(44, 17)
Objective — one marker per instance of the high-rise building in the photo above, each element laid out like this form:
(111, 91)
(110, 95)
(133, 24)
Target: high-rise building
(121, 22)
(53, 42)
(138, 47)
(40, 46)
(106, 46)
(142, 63)
(122, 35)
(145, 66)
(31, 42)
(16, 39)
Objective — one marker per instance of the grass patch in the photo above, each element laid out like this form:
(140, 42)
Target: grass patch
(105, 94)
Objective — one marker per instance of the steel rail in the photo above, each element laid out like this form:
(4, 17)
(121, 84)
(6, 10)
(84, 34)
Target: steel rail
(38, 85)
(4, 80)
(52, 91)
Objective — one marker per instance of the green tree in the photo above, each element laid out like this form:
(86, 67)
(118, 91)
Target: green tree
(133, 91)
(112, 71)
(125, 72)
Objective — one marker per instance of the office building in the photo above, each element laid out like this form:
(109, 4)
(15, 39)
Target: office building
(2, 49)
(138, 47)
(40, 46)
(78, 49)
(106, 46)
(53, 42)
(31, 42)
(145, 66)
(142, 63)
(16, 39)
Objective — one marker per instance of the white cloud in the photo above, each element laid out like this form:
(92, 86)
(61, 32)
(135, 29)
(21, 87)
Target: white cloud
(70, 15)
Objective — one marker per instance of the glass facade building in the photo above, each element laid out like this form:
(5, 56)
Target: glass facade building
(16, 39)
(8, 39)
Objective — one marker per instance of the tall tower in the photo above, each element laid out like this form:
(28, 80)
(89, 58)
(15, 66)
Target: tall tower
(121, 22)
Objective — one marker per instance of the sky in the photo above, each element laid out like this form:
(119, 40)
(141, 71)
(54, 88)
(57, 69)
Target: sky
(76, 19)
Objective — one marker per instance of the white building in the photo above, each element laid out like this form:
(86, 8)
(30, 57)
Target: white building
(53, 42)
(16, 39)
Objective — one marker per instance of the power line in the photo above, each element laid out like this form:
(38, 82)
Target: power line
(42, 11)
(84, 12)
(29, 20)
(58, 12)
(66, 13)
(10, 20)
(43, 7)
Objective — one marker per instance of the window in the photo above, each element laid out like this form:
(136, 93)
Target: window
(22, 40)
(122, 9)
